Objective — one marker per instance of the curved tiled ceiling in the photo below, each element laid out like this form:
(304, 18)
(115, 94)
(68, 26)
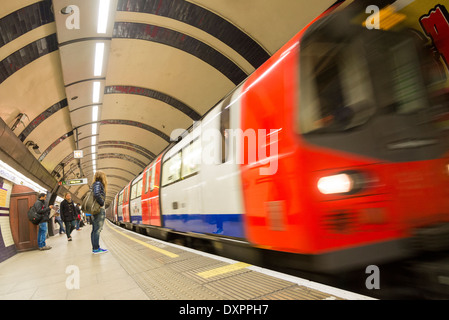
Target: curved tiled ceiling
(166, 63)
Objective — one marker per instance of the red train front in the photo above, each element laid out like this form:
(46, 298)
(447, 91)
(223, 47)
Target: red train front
(343, 163)
(362, 171)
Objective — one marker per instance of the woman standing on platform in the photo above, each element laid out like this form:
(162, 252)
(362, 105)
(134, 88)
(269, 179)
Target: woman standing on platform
(68, 214)
(99, 191)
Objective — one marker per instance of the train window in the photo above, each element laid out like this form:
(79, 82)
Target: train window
(120, 199)
(139, 188)
(171, 171)
(224, 126)
(144, 181)
(191, 157)
(397, 74)
(345, 83)
(153, 177)
(133, 191)
(335, 88)
(147, 180)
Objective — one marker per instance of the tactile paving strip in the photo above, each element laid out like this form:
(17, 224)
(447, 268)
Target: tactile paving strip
(164, 284)
(248, 285)
(180, 277)
(297, 293)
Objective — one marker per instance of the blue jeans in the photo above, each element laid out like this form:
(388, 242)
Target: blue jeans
(61, 226)
(42, 234)
(97, 226)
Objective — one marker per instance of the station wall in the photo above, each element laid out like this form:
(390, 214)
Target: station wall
(7, 247)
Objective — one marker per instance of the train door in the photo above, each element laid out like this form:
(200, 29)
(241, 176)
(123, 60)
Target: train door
(135, 206)
(120, 206)
(23, 231)
(155, 217)
(126, 215)
(114, 214)
(181, 186)
(145, 198)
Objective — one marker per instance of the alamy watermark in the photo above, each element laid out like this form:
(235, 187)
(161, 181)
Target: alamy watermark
(373, 280)
(373, 21)
(257, 148)
(73, 280)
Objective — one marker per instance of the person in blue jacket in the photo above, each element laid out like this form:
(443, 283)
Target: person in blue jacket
(99, 191)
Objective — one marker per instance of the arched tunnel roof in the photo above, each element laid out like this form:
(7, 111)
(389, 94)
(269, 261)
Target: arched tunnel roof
(165, 64)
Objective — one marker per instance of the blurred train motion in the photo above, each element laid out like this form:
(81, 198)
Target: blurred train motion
(351, 134)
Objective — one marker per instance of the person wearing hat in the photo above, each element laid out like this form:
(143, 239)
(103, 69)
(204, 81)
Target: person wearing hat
(42, 209)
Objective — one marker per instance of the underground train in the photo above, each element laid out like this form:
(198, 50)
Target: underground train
(329, 155)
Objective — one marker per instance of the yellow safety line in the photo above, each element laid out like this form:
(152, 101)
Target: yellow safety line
(223, 270)
(167, 253)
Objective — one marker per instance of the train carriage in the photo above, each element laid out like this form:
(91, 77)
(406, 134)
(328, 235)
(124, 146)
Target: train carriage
(327, 153)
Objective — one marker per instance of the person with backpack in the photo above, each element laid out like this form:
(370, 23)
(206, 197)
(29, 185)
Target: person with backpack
(99, 192)
(42, 209)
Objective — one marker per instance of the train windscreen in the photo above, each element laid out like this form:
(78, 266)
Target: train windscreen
(344, 84)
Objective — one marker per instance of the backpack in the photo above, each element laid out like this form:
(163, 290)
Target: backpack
(90, 205)
(33, 216)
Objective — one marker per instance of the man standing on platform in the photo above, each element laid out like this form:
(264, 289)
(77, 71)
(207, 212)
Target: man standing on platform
(68, 215)
(43, 210)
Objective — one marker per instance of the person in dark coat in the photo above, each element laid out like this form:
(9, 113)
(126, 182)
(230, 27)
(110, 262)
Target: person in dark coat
(43, 210)
(99, 191)
(68, 214)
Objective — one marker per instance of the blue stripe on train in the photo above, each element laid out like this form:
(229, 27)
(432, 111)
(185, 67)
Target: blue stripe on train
(223, 224)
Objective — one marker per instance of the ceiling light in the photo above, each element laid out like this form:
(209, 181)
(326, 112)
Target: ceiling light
(16, 177)
(103, 13)
(94, 128)
(95, 113)
(96, 93)
(99, 53)
(93, 149)
(94, 140)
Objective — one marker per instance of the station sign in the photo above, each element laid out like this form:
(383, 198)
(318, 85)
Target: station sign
(73, 182)
(78, 154)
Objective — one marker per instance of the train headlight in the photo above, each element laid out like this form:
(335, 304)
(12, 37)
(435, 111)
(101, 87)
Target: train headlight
(345, 182)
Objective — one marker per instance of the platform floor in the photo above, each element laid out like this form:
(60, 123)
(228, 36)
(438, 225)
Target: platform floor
(141, 268)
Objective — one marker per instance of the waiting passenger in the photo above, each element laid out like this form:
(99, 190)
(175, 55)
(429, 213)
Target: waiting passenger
(68, 214)
(42, 209)
(99, 191)
(58, 220)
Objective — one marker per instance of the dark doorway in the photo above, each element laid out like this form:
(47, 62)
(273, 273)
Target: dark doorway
(23, 231)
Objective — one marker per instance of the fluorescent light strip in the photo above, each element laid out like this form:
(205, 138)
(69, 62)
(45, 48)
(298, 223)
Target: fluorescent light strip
(94, 129)
(93, 149)
(103, 13)
(95, 113)
(99, 53)
(15, 176)
(94, 140)
(96, 93)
